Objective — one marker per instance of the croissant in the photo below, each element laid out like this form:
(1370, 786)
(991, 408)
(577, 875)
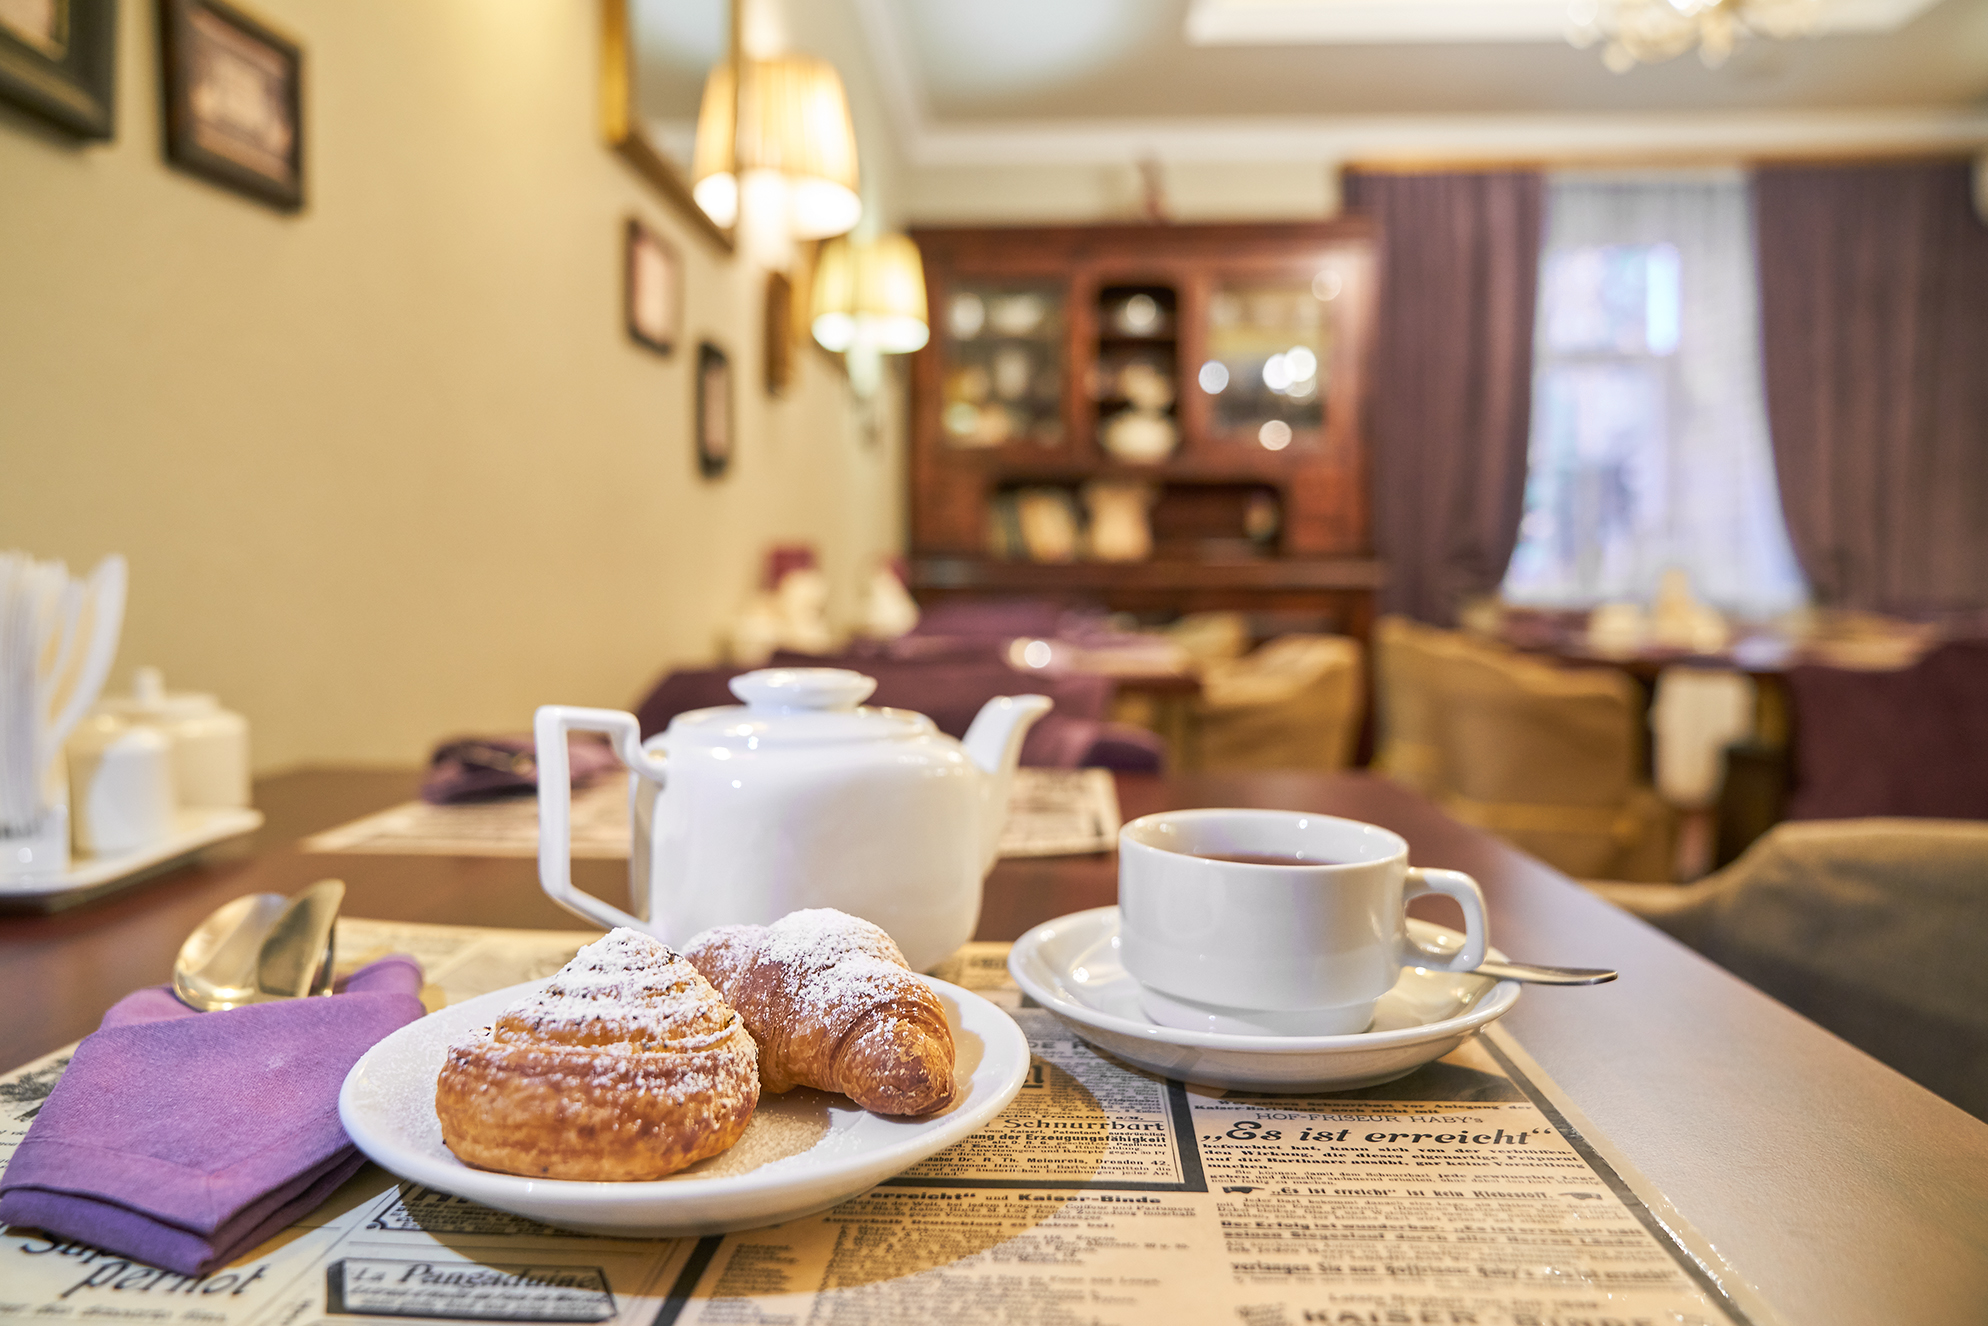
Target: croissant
(626, 1066)
(832, 1004)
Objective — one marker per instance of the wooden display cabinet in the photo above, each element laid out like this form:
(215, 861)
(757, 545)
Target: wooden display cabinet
(1052, 350)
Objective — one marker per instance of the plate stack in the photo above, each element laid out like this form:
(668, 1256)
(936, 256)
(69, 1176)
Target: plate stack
(58, 636)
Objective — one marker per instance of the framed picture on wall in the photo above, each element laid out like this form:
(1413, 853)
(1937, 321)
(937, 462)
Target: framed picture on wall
(779, 333)
(234, 100)
(653, 299)
(714, 410)
(58, 61)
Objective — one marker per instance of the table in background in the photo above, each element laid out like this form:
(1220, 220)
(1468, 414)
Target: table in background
(1843, 1189)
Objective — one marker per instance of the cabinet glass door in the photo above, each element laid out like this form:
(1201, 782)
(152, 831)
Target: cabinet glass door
(1003, 374)
(1268, 348)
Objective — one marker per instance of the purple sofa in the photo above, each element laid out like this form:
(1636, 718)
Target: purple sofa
(1913, 742)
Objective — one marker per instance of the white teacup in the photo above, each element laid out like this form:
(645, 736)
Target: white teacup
(1304, 947)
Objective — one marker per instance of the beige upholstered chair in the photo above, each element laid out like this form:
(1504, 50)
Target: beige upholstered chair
(1875, 928)
(1211, 637)
(1551, 760)
(1548, 758)
(1294, 703)
(1406, 658)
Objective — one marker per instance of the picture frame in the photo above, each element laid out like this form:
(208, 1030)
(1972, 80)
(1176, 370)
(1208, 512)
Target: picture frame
(714, 411)
(234, 100)
(58, 63)
(623, 118)
(779, 333)
(652, 303)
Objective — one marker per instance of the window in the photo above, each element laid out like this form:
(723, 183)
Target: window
(1649, 445)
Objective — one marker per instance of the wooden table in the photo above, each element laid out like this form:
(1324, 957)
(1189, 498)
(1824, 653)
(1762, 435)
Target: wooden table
(1847, 1193)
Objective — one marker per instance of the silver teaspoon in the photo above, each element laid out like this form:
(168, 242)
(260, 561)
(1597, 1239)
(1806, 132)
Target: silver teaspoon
(296, 957)
(216, 966)
(1538, 975)
(260, 947)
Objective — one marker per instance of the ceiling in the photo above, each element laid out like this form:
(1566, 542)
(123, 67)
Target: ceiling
(967, 63)
(1059, 84)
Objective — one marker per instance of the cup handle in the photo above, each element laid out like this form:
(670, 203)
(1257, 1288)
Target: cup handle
(1454, 884)
(555, 801)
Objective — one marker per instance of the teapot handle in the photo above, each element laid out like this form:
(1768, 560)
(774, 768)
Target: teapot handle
(555, 800)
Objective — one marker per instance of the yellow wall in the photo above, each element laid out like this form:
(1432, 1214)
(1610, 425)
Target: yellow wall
(389, 469)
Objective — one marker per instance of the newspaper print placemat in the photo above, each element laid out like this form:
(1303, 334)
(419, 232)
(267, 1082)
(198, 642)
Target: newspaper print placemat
(1051, 812)
(1469, 1193)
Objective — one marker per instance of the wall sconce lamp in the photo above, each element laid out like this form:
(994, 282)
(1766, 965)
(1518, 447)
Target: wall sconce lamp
(870, 291)
(784, 129)
(869, 301)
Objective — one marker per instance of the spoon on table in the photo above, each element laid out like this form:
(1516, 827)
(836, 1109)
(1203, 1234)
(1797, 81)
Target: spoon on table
(296, 958)
(260, 947)
(1534, 974)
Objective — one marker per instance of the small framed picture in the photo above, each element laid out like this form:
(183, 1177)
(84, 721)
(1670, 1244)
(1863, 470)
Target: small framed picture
(714, 410)
(58, 60)
(234, 100)
(654, 295)
(779, 333)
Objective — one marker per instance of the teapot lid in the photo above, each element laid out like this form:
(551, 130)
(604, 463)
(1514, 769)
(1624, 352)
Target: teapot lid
(802, 706)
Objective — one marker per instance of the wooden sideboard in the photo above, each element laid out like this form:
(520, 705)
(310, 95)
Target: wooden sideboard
(1046, 340)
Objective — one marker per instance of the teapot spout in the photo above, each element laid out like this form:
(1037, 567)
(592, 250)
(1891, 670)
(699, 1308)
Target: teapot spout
(994, 744)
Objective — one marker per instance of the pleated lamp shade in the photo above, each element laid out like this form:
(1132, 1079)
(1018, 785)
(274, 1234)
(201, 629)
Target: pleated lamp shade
(792, 119)
(873, 292)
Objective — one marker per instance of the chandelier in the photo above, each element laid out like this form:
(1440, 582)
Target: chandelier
(1649, 31)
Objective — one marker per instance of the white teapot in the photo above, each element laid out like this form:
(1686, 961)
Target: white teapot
(797, 799)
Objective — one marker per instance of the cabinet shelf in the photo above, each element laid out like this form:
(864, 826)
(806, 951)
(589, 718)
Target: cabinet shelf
(1268, 573)
(1007, 469)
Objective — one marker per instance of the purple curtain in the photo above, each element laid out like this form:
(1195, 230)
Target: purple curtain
(1451, 402)
(1874, 320)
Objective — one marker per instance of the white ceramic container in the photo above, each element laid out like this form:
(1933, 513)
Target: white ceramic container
(799, 798)
(210, 744)
(120, 786)
(1303, 948)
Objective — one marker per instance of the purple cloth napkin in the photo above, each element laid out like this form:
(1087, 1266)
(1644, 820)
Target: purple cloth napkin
(184, 1139)
(484, 768)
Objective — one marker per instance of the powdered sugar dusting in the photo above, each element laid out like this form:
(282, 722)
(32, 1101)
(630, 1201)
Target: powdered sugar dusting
(838, 960)
(625, 994)
(793, 1126)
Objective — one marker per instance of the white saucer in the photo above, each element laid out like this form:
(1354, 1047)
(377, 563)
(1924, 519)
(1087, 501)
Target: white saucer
(1071, 967)
(803, 1151)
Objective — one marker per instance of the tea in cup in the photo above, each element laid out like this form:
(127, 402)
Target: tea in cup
(1275, 923)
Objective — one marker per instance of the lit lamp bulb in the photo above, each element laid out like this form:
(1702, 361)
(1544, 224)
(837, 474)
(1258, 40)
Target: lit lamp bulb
(869, 300)
(787, 132)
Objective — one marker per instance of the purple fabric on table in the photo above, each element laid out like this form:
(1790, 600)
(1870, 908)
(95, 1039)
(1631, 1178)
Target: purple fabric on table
(1087, 743)
(1125, 748)
(183, 1139)
(1913, 742)
(480, 768)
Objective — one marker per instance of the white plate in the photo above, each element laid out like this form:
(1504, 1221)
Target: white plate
(90, 876)
(1071, 967)
(802, 1152)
